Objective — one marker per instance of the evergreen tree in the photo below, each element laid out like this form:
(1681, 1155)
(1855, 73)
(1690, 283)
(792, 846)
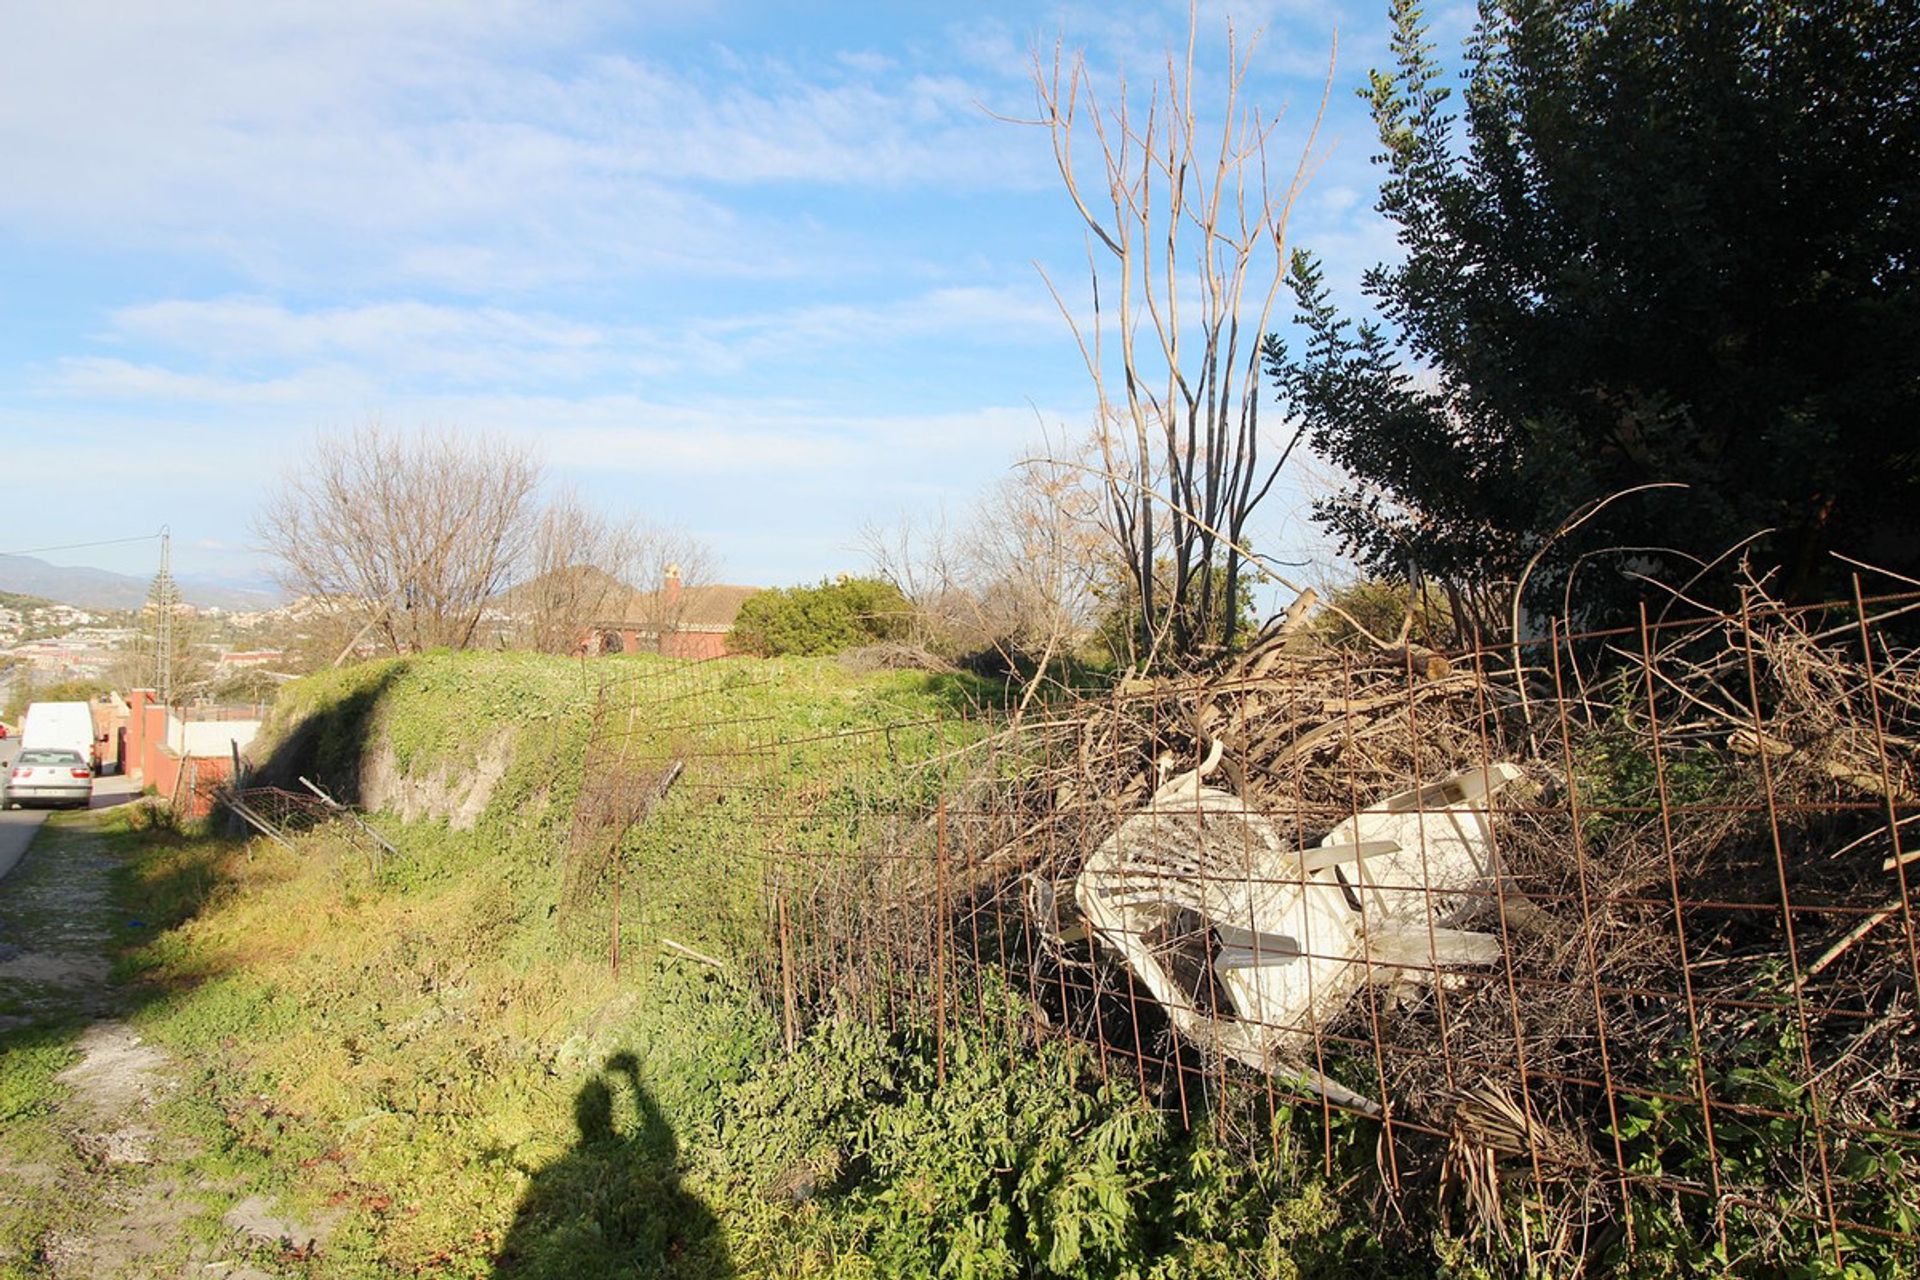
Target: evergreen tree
(1676, 243)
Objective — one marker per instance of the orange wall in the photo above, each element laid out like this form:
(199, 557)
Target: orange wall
(694, 644)
(698, 645)
(151, 764)
(195, 780)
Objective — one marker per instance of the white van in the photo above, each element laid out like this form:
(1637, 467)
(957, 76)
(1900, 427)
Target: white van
(61, 726)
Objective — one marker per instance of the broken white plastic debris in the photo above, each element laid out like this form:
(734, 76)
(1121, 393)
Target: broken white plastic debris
(1443, 861)
(1252, 945)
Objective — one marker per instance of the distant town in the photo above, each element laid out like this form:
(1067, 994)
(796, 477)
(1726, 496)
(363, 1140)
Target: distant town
(45, 644)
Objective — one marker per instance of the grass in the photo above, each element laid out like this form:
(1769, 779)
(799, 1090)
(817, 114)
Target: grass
(32, 1151)
(430, 1055)
(64, 908)
(427, 1059)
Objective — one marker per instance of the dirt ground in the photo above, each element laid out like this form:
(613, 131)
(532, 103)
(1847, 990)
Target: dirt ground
(97, 1178)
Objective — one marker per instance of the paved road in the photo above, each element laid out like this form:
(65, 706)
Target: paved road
(18, 825)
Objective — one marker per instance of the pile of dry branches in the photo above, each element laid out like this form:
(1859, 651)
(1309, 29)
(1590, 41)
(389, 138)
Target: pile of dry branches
(1703, 901)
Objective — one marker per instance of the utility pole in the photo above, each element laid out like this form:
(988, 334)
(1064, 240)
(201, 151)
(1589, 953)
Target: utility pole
(165, 596)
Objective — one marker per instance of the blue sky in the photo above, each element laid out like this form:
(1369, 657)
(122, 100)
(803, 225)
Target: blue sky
(766, 271)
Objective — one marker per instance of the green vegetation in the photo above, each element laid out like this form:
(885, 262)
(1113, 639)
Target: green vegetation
(1382, 607)
(71, 691)
(1764, 1122)
(832, 617)
(57, 911)
(24, 603)
(1660, 241)
(432, 1056)
(25, 694)
(1202, 628)
(29, 1061)
(432, 1053)
(421, 1057)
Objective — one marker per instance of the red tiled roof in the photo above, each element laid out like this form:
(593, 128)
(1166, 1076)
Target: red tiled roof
(708, 608)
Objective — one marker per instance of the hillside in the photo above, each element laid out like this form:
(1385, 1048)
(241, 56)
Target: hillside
(723, 968)
(433, 1052)
(89, 588)
(22, 601)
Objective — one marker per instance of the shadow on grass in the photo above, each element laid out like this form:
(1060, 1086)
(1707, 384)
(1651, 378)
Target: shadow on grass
(328, 744)
(613, 1205)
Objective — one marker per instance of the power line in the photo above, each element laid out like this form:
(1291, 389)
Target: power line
(80, 546)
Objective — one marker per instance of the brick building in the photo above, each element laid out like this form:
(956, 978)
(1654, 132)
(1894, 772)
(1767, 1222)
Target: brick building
(678, 621)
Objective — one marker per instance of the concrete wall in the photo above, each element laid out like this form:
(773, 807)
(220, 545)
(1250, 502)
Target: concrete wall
(190, 737)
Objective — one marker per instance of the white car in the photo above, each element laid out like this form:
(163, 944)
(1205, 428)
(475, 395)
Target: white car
(50, 776)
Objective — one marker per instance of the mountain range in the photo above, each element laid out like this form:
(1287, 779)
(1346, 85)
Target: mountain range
(87, 588)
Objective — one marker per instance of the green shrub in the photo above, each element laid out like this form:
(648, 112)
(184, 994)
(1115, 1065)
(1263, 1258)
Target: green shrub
(811, 621)
(24, 694)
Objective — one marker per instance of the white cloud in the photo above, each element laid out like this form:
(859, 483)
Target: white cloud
(588, 431)
(258, 348)
(478, 145)
(383, 342)
(103, 378)
(975, 313)
(769, 441)
(794, 285)
(866, 61)
(229, 327)
(469, 142)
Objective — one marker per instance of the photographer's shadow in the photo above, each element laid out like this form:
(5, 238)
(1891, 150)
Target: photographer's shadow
(613, 1205)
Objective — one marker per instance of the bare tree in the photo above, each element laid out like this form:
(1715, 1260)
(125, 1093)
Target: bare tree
(1036, 553)
(671, 571)
(580, 570)
(323, 631)
(919, 557)
(417, 532)
(1187, 249)
(1019, 574)
(183, 636)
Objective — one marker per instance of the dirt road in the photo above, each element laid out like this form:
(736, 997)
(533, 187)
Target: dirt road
(101, 1171)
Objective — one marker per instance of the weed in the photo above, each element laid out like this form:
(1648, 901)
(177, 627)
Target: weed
(433, 1052)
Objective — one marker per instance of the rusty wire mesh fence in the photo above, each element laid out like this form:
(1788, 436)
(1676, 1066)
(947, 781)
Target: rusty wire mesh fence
(1608, 926)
